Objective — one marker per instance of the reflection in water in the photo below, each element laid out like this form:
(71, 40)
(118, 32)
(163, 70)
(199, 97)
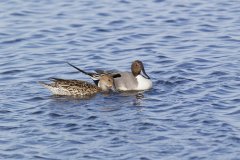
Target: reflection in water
(138, 99)
(72, 97)
(138, 96)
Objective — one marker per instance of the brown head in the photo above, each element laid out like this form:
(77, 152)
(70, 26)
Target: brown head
(137, 67)
(106, 81)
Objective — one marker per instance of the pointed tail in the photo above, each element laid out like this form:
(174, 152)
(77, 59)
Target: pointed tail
(90, 74)
(94, 76)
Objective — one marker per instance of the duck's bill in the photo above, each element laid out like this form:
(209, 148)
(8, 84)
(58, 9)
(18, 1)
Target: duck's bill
(144, 74)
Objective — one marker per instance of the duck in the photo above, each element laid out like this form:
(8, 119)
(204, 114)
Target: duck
(71, 87)
(136, 80)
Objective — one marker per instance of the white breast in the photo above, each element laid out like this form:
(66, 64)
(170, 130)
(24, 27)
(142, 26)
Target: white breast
(143, 83)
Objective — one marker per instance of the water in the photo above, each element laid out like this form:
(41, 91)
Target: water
(190, 50)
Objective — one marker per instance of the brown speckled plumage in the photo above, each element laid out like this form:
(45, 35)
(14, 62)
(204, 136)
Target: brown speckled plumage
(71, 87)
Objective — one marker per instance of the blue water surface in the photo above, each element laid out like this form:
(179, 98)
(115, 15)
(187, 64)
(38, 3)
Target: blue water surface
(190, 49)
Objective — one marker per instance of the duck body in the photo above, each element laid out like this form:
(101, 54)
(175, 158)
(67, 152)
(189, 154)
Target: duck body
(78, 87)
(128, 82)
(71, 87)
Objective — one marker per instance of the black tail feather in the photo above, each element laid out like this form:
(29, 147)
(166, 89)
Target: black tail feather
(90, 74)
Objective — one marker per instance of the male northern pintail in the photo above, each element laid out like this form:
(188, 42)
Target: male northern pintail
(78, 87)
(136, 80)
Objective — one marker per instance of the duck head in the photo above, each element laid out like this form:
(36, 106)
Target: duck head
(106, 81)
(138, 69)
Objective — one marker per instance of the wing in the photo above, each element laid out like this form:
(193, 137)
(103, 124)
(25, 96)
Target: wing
(76, 87)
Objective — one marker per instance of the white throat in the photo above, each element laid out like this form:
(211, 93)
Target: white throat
(143, 83)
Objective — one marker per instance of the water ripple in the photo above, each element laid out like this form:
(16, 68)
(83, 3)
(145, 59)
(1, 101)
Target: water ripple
(190, 50)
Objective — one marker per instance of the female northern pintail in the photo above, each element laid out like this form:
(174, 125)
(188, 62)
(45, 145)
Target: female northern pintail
(137, 79)
(78, 87)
